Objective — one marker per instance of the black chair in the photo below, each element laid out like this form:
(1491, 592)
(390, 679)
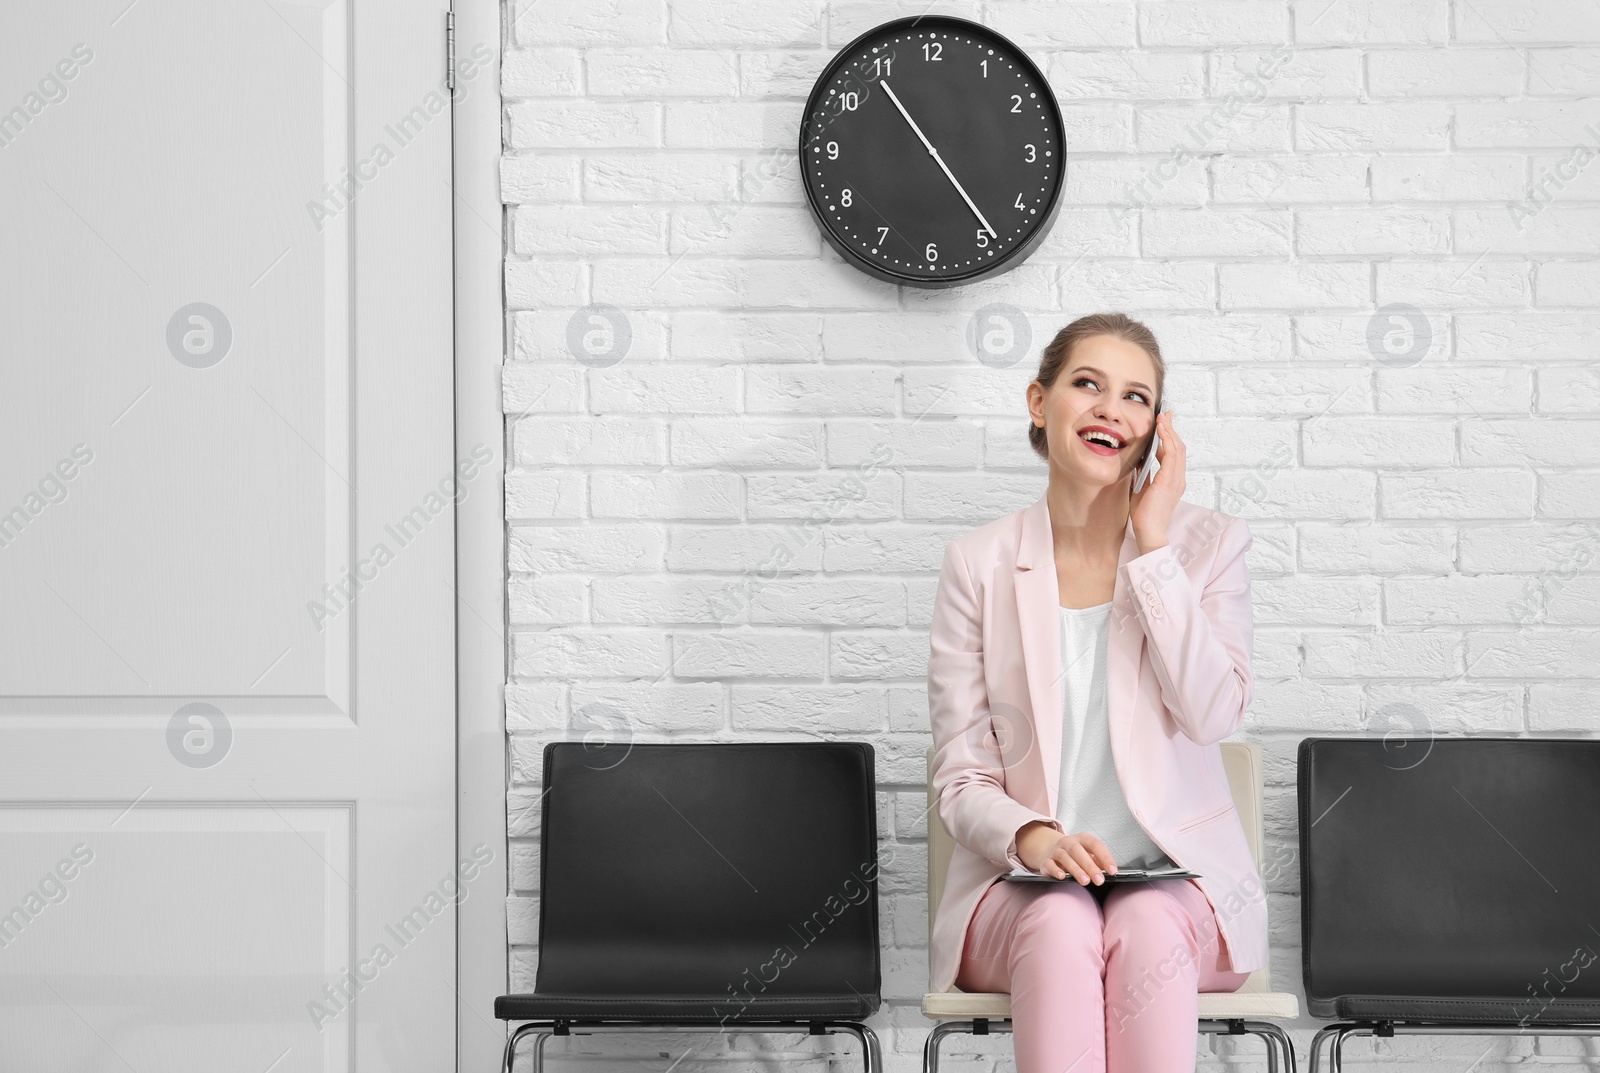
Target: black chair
(1450, 886)
(705, 887)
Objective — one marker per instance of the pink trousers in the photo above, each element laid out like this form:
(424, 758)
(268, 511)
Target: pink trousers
(1102, 979)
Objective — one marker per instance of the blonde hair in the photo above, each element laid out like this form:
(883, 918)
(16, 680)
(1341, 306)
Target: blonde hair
(1055, 355)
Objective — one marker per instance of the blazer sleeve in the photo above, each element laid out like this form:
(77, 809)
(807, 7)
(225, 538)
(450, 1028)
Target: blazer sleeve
(1199, 641)
(969, 781)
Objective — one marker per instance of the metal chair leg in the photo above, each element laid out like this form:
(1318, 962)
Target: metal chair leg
(869, 1043)
(1336, 1052)
(511, 1045)
(538, 1050)
(1274, 1034)
(941, 1029)
(872, 1051)
(930, 1049)
(1325, 1035)
(1273, 1038)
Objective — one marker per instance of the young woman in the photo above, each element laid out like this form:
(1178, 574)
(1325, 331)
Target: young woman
(1087, 654)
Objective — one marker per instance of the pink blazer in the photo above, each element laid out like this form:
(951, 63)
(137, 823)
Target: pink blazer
(1178, 682)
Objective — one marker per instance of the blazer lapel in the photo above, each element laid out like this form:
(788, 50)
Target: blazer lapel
(1039, 622)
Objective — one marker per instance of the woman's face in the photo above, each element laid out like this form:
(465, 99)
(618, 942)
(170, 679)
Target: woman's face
(1100, 412)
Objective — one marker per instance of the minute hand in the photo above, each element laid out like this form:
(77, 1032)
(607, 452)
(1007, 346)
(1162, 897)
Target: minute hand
(935, 154)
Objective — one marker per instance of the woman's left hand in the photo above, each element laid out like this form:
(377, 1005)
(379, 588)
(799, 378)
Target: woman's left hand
(1150, 508)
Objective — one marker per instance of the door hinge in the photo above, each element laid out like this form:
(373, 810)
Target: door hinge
(450, 50)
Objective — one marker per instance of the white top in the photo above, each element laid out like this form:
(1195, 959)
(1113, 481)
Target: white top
(1091, 798)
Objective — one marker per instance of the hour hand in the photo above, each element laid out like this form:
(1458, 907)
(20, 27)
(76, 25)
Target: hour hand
(935, 154)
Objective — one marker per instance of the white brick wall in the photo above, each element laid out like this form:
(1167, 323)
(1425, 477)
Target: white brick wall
(1426, 529)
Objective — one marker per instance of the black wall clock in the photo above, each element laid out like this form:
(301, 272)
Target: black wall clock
(931, 152)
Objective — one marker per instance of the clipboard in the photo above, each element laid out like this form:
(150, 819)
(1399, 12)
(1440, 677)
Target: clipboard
(1121, 875)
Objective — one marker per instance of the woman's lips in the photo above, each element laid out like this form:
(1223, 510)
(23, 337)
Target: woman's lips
(1100, 448)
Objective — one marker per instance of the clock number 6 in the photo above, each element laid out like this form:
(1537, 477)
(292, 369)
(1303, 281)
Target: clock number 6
(932, 252)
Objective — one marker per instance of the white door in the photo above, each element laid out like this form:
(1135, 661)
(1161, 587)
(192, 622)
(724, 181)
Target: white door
(226, 549)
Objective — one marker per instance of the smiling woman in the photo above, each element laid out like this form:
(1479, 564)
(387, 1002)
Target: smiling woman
(1097, 750)
(1097, 334)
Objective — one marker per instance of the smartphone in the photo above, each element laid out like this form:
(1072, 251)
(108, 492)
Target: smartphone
(1148, 464)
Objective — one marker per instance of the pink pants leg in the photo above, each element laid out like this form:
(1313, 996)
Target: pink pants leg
(1098, 988)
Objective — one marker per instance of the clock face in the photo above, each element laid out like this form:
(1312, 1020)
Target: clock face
(931, 152)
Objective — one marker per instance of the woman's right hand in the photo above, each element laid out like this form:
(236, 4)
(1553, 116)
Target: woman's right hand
(1044, 850)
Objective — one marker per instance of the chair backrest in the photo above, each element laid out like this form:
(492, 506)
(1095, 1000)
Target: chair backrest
(1243, 764)
(684, 868)
(1450, 879)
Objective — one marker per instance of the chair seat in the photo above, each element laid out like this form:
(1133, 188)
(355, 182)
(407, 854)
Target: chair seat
(1213, 1006)
(722, 1008)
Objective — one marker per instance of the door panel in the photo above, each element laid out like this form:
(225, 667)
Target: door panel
(202, 482)
(226, 537)
(235, 987)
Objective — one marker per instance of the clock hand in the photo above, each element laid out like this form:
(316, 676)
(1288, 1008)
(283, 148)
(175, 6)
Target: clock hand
(935, 154)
